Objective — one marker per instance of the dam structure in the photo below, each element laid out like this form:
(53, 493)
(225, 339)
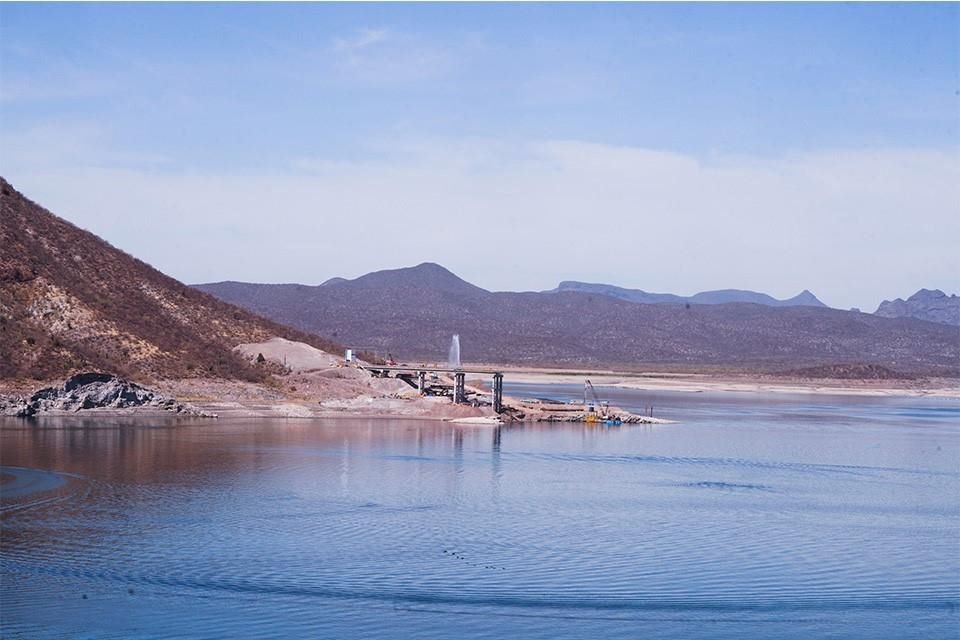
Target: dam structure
(421, 378)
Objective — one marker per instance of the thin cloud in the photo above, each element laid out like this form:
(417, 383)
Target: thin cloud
(385, 57)
(362, 40)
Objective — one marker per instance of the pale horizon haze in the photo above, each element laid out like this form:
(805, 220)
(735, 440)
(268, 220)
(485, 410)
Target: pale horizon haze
(666, 147)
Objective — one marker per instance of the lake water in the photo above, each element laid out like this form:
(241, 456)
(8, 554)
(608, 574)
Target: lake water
(752, 517)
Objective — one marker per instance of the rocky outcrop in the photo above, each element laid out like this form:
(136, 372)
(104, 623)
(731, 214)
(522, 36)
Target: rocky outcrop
(932, 305)
(86, 391)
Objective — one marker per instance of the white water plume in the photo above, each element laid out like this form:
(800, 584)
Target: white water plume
(453, 357)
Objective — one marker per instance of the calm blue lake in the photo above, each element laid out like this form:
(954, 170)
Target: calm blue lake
(754, 516)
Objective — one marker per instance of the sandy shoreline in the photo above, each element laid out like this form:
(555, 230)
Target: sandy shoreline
(698, 383)
(348, 392)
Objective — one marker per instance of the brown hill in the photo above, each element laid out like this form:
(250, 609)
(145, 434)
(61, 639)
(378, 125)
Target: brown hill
(404, 312)
(70, 301)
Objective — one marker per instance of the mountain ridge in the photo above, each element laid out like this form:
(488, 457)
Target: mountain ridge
(411, 317)
(719, 296)
(425, 274)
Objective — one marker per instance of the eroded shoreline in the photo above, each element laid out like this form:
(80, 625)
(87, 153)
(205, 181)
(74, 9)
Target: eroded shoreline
(345, 392)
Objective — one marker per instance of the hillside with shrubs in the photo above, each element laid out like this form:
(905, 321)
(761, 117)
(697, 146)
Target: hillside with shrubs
(70, 301)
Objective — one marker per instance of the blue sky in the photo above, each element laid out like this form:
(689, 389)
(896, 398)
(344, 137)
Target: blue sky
(781, 145)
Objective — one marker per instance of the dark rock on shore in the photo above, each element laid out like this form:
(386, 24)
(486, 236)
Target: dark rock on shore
(86, 391)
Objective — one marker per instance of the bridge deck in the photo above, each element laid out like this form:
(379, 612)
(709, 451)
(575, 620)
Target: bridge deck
(412, 369)
(407, 373)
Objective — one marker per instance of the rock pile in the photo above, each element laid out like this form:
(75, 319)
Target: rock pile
(93, 391)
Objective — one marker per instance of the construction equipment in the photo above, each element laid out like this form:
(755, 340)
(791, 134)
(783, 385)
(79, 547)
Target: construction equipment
(592, 401)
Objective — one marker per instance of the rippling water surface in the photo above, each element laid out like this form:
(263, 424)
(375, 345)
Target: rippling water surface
(752, 517)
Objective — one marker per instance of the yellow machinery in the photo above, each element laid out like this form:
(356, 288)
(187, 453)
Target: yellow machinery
(593, 404)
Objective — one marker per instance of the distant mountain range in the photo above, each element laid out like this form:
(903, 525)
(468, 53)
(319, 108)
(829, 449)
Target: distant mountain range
(412, 313)
(69, 301)
(926, 304)
(722, 296)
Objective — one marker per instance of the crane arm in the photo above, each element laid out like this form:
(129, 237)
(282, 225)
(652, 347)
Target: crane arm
(588, 388)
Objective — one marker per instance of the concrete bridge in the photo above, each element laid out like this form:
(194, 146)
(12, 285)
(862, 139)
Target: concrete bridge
(416, 377)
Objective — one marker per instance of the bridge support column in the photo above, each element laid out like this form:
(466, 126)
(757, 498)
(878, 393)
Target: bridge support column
(459, 390)
(421, 382)
(497, 389)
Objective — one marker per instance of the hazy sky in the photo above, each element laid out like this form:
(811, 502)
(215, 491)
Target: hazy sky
(668, 147)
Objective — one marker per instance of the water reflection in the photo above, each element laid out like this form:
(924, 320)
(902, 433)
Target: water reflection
(739, 521)
(143, 452)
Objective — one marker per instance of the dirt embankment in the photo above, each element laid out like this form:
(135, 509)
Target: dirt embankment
(307, 382)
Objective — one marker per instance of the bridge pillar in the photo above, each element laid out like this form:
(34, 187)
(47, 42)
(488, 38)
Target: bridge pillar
(459, 390)
(421, 382)
(497, 392)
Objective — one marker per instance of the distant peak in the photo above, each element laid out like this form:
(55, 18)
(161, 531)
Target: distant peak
(426, 275)
(431, 265)
(577, 285)
(926, 304)
(806, 298)
(432, 268)
(927, 294)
